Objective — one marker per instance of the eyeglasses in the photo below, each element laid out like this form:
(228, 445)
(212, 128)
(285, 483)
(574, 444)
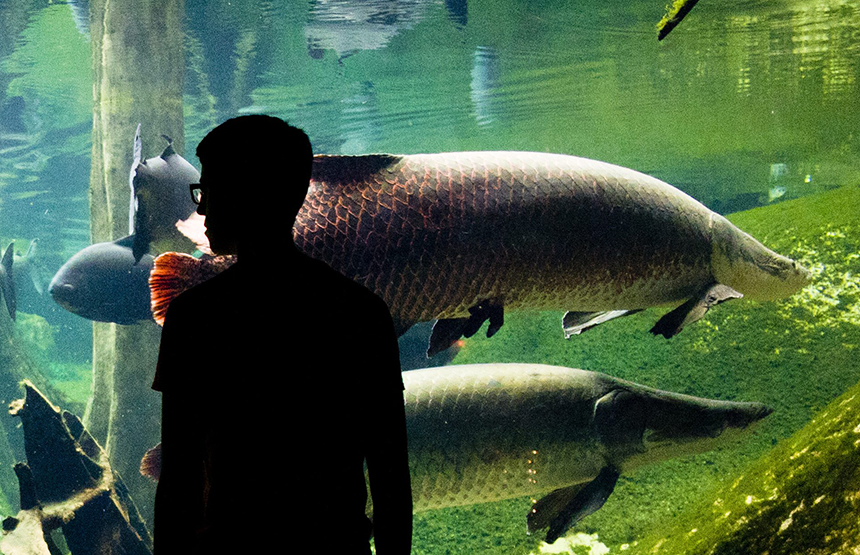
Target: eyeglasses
(197, 191)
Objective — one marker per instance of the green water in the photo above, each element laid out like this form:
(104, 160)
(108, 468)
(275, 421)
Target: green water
(745, 104)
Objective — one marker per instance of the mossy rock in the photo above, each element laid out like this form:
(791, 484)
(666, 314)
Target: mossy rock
(801, 498)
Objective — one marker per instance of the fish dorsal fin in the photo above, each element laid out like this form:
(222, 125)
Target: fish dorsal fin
(137, 153)
(168, 150)
(334, 169)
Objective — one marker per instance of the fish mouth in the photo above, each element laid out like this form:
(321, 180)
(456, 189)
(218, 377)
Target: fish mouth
(63, 294)
(746, 418)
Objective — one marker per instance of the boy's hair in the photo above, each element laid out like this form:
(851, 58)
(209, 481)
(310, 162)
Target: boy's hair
(283, 149)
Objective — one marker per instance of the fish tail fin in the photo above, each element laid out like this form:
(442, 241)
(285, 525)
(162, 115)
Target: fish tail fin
(174, 272)
(150, 464)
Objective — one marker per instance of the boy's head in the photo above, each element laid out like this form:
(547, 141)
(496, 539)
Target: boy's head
(255, 170)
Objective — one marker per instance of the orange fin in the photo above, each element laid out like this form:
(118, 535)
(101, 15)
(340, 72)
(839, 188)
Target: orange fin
(150, 464)
(171, 275)
(174, 272)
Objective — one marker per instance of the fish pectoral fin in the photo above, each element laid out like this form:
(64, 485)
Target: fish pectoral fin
(574, 323)
(491, 310)
(551, 505)
(496, 316)
(447, 331)
(142, 239)
(619, 422)
(694, 309)
(563, 508)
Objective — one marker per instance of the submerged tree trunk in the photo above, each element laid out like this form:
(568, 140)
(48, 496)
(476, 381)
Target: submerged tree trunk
(138, 67)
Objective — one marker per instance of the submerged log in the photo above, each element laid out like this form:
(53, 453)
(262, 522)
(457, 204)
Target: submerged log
(68, 483)
(15, 365)
(675, 13)
(138, 72)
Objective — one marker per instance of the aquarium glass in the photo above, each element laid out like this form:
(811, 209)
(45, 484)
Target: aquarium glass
(750, 107)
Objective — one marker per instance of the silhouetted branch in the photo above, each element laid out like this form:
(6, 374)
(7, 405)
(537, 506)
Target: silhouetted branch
(67, 483)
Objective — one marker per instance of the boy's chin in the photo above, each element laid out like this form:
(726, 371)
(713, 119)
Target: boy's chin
(223, 248)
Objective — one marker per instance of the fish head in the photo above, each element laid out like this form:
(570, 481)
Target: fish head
(744, 264)
(102, 282)
(643, 426)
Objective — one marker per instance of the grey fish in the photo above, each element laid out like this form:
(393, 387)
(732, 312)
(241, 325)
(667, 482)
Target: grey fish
(109, 281)
(489, 432)
(103, 282)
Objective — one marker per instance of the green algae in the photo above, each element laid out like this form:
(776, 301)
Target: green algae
(675, 12)
(801, 498)
(796, 355)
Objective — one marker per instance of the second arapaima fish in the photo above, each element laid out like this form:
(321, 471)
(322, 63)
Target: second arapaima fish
(460, 237)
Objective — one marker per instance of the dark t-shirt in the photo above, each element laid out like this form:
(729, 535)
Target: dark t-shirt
(277, 386)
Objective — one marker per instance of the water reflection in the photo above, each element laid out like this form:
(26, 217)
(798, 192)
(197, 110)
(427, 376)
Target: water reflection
(360, 127)
(350, 26)
(486, 73)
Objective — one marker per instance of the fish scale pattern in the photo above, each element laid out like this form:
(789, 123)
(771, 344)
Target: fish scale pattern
(481, 433)
(488, 432)
(436, 234)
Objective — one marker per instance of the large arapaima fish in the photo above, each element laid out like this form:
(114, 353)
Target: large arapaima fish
(489, 432)
(459, 237)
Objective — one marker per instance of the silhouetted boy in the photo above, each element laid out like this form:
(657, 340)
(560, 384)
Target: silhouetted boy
(280, 377)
